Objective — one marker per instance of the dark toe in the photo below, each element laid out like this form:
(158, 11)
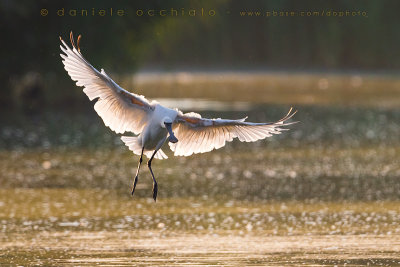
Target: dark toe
(134, 185)
(155, 191)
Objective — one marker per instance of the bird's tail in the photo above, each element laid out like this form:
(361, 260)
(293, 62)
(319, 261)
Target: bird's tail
(134, 144)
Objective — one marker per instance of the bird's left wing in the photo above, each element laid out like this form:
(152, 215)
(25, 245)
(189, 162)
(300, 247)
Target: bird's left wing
(120, 110)
(199, 135)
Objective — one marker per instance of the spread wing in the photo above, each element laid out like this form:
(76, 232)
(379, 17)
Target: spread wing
(120, 110)
(199, 135)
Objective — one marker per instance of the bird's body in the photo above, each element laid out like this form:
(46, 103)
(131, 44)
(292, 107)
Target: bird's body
(154, 135)
(153, 124)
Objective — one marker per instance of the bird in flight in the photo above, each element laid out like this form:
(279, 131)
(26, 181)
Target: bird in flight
(153, 124)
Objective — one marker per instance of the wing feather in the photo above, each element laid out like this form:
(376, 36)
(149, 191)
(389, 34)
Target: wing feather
(120, 110)
(199, 135)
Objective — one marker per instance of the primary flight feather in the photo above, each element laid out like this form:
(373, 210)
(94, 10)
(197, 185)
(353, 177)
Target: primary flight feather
(153, 124)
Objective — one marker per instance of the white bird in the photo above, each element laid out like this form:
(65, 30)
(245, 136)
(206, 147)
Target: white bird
(153, 124)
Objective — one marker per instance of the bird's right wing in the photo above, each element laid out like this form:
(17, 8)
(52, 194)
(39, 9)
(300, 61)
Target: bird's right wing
(199, 135)
(120, 110)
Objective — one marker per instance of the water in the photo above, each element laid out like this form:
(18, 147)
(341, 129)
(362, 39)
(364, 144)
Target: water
(324, 193)
(93, 226)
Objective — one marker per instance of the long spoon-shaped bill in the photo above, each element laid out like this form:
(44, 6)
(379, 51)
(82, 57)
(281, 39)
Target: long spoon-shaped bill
(172, 138)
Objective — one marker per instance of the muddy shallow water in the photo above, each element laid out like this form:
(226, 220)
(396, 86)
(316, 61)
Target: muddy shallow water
(324, 193)
(229, 248)
(104, 227)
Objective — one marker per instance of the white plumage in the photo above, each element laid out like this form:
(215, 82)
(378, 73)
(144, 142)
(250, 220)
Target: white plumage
(198, 135)
(123, 111)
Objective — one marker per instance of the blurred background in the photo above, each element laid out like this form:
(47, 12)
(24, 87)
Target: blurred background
(334, 173)
(231, 40)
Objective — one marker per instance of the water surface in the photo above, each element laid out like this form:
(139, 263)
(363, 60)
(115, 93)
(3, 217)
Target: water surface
(324, 193)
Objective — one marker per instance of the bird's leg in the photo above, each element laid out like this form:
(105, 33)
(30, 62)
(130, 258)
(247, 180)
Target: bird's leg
(137, 172)
(155, 187)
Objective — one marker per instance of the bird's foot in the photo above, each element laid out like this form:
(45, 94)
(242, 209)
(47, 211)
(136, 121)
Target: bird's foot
(134, 185)
(155, 190)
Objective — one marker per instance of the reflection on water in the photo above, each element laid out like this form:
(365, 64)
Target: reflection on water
(86, 227)
(324, 193)
(273, 87)
(151, 248)
(188, 104)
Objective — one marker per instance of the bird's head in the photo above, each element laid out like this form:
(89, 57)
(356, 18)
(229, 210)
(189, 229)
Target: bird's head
(167, 123)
